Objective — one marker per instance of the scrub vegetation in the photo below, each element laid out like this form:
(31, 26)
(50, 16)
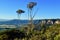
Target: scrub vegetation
(25, 33)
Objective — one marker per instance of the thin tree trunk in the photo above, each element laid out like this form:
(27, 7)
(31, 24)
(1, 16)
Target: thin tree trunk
(35, 13)
(19, 15)
(28, 14)
(31, 21)
(31, 16)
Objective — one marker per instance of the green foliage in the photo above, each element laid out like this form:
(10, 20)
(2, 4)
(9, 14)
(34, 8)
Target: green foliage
(57, 37)
(51, 33)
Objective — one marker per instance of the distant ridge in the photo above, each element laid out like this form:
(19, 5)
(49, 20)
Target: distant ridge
(16, 21)
(3, 20)
(13, 22)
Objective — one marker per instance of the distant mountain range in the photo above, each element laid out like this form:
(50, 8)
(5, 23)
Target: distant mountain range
(3, 20)
(16, 21)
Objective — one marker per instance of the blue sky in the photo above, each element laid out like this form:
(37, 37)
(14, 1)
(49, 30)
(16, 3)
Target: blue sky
(46, 9)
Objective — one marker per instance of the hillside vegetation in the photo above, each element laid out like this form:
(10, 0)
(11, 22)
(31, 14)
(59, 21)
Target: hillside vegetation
(51, 32)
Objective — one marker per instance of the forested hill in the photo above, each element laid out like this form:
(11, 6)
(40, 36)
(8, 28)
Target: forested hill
(16, 21)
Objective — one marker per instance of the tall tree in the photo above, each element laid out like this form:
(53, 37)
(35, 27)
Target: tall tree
(19, 12)
(30, 7)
